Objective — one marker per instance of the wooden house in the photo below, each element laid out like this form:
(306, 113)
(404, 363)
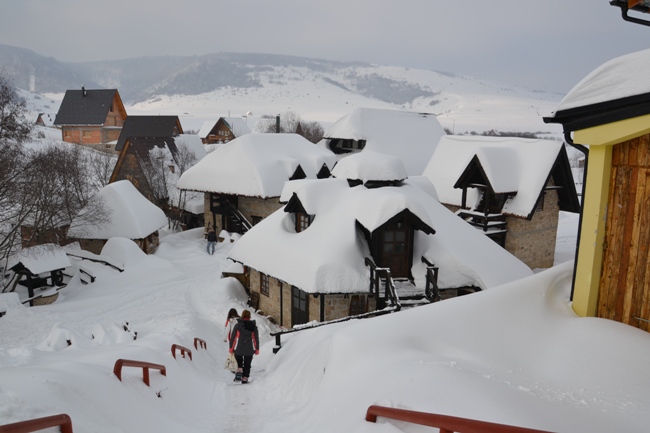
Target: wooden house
(410, 136)
(242, 180)
(91, 117)
(609, 111)
(323, 256)
(131, 216)
(224, 130)
(511, 189)
(151, 159)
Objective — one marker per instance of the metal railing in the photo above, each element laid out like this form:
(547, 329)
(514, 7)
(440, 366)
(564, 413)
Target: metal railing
(446, 424)
(182, 350)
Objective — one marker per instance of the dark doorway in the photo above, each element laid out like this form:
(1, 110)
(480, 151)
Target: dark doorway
(299, 306)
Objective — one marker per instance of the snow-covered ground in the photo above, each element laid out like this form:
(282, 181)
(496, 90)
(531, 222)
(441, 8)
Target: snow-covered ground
(515, 354)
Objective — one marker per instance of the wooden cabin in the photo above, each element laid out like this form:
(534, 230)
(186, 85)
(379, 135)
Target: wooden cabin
(224, 130)
(609, 111)
(91, 117)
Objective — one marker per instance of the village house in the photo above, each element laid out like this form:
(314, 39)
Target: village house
(91, 117)
(224, 130)
(410, 136)
(323, 256)
(607, 116)
(130, 216)
(242, 180)
(154, 152)
(511, 189)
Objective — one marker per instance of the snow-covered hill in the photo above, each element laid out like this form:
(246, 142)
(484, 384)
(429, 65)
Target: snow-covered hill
(205, 87)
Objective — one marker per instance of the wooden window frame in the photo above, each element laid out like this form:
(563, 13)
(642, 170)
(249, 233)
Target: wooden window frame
(264, 284)
(303, 221)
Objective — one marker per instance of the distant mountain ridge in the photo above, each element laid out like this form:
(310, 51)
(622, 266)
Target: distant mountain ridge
(283, 80)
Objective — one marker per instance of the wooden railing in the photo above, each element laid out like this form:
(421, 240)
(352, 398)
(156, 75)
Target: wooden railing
(493, 225)
(183, 350)
(431, 290)
(238, 218)
(446, 424)
(376, 276)
(63, 421)
(117, 370)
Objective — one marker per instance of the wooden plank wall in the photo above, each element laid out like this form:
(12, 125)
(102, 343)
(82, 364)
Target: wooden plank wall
(624, 293)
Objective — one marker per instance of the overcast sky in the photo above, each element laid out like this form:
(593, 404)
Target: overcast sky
(546, 45)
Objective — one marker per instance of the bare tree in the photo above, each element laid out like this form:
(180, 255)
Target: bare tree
(290, 122)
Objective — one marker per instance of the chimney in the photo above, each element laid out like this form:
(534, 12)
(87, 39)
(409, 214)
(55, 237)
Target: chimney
(277, 124)
(83, 90)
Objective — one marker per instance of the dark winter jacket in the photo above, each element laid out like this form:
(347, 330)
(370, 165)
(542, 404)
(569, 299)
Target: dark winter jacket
(212, 237)
(244, 340)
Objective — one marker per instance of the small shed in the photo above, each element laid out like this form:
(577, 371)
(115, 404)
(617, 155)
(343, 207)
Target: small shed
(132, 216)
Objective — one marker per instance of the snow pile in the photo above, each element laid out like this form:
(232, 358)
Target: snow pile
(412, 137)
(370, 165)
(131, 215)
(40, 258)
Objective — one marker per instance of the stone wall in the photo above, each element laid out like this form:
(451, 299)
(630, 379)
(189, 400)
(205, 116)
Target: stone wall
(533, 242)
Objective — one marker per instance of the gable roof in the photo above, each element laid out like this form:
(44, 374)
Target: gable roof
(256, 165)
(410, 136)
(328, 257)
(148, 127)
(85, 107)
(132, 216)
(236, 125)
(614, 91)
(510, 165)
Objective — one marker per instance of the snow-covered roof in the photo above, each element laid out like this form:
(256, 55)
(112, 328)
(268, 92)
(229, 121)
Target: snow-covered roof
(41, 258)
(131, 215)
(616, 79)
(410, 136)
(370, 166)
(256, 165)
(328, 257)
(511, 164)
(193, 142)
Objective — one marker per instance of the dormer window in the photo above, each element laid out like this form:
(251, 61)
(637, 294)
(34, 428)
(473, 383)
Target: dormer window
(303, 221)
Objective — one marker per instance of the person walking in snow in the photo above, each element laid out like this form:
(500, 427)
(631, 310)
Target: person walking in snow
(212, 241)
(244, 343)
(231, 321)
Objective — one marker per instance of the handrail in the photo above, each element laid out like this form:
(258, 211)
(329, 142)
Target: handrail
(389, 285)
(431, 290)
(117, 370)
(246, 225)
(62, 420)
(181, 349)
(200, 342)
(279, 334)
(446, 424)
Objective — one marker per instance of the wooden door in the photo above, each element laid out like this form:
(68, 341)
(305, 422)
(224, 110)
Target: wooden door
(624, 293)
(299, 306)
(395, 249)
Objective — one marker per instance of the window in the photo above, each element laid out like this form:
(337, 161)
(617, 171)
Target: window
(67, 134)
(172, 168)
(540, 203)
(303, 221)
(88, 134)
(264, 284)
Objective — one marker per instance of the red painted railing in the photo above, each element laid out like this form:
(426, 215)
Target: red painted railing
(201, 343)
(33, 425)
(446, 424)
(117, 370)
(181, 349)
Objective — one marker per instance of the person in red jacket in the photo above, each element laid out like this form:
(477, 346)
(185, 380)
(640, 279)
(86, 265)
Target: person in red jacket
(244, 343)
